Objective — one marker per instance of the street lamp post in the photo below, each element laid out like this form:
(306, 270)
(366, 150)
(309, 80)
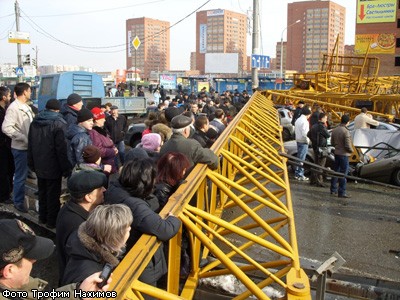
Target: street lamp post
(298, 21)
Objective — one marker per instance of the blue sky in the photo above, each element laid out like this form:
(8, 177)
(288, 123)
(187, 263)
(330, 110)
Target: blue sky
(101, 23)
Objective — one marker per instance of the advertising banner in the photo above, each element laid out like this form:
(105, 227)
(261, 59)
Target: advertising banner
(203, 38)
(383, 43)
(19, 37)
(203, 84)
(376, 11)
(168, 81)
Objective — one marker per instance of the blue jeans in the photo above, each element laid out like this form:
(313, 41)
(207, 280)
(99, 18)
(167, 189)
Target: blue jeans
(21, 171)
(121, 153)
(302, 149)
(342, 166)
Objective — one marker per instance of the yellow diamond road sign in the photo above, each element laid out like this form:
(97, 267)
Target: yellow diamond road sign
(136, 42)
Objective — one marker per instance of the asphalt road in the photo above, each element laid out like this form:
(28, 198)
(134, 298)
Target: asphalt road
(362, 229)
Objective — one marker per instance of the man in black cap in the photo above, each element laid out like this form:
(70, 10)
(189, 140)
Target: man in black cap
(71, 108)
(341, 140)
(20, 248)
(47, 157)
(297, 112)
(78, 136)
(116, 126)
(179, 142)
(86, 189)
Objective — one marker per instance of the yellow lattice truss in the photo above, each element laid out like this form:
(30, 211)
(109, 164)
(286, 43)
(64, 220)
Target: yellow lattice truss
(231, 215)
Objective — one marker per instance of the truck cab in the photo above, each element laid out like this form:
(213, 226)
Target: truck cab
(59, 86)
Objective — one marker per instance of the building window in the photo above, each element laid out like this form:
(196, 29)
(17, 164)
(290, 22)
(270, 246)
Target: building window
(398, 23)
(397, 61)
(398, 43)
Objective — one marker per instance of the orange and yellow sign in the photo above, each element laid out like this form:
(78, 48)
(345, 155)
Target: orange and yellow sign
(18, 37)
(383, 43)
(376, 11)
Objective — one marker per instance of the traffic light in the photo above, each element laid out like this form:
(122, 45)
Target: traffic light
(34, 62)
(27, 59)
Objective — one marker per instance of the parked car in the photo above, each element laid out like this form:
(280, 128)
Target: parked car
(384, 170)
(285, 116)
(381, 154)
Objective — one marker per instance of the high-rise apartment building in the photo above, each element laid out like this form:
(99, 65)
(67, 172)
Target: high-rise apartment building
(153, 53)
(221, 31)
(320, 24)
(278, 55)
(378, 28)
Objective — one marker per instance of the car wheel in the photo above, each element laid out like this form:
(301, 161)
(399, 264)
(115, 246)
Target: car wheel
(396, 177)
(286, 136)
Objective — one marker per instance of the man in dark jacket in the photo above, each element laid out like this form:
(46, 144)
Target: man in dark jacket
(78, 136)
(297, 112)
(47, 157)
(179, 142)
(86, 189)
(341, 140)
(318, 135)
(6, 157)
(116, 126)
(71, 108)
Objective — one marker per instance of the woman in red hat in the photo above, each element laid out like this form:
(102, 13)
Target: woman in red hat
(101, 139)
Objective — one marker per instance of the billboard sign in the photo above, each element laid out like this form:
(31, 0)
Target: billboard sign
(168, 81)
(215, 12)
(223, 63)
(203, 38)
(19, 37)
(383, 43)
(376, 11)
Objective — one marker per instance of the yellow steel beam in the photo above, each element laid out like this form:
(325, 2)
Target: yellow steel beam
(243, 206)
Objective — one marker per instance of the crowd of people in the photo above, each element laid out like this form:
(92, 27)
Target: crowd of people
(311, 128)
(115, 196)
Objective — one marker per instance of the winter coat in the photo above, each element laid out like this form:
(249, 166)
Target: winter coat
(219, 125)
(145, 220)
(77, 137)
(318, 135)
(101, 140)
(363, 120)
(47, 146)
(16, 124)
(69, 218)
(86, 256)
(69, 114)
(5, 141)
(192, 149)
(314, 118)
(202, 138)
(301, 129)
(163, 191)
(116, 128)
(341, 140)
(296, 115)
